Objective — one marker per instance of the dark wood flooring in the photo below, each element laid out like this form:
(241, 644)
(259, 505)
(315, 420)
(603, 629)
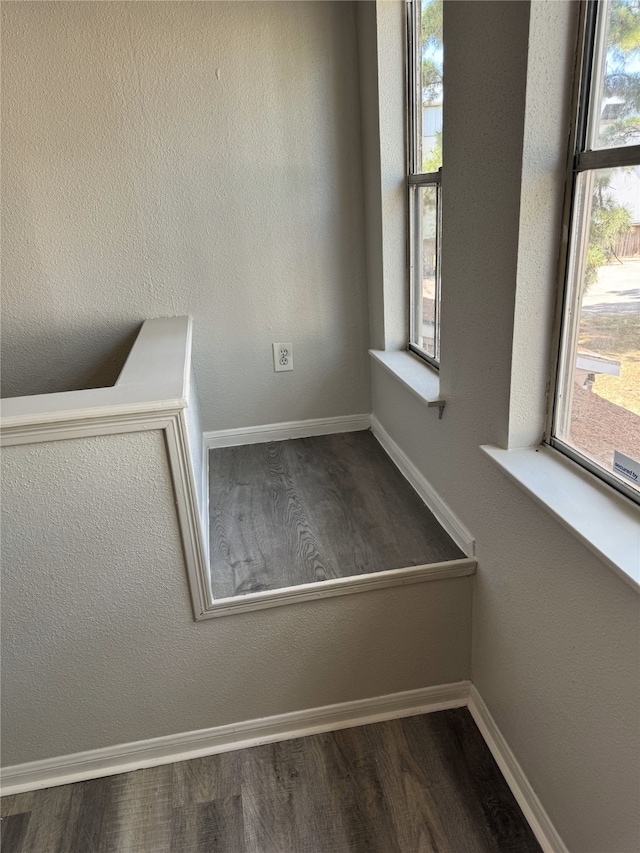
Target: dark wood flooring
(415, 785)
(291, 512)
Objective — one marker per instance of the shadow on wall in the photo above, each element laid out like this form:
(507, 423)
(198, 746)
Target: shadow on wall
(68, 368)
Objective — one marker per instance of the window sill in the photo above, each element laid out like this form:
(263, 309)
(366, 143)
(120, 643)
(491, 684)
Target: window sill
(415, 374)
(608, 524)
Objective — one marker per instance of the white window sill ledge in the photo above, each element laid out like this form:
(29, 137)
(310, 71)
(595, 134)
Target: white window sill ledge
(608, 524)
(415, 374)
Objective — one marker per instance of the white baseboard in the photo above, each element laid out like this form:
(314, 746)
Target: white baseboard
(179, 747)
(124, 758)
(283, 431)
(521, 789)
(445, 515)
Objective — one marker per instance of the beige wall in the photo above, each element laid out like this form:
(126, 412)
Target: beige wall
(99, 642)
(186, 158)
(556, 634)
(138, 183)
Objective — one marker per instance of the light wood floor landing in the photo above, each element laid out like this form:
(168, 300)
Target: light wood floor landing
(418, 785)
(310, 509)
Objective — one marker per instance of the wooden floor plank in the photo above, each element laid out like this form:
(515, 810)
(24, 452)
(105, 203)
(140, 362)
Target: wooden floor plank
(89, 808)
(307, 510)
(16, 804)
(424, 784)
(325, 474)
(266, 827)
(48, 822)
(475, 788)
(390, 517)
(13, 831)
(139, 816)
(321, 827)
(415, 809)
(213, 827)
(203, 780)
(358, 794)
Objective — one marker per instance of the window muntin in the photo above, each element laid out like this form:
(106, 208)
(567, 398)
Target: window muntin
(425, 174)
(596, 416)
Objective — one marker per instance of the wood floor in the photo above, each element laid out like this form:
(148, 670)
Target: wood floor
(420, 784)
(310, 509)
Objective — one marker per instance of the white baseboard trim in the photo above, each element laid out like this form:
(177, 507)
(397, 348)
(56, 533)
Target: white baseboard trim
(179, 747)
(521, 789)
(124, 758)
(445, 515)
(283, 431)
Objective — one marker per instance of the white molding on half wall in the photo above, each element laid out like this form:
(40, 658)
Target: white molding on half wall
(152, 393)
(350, 585)
(442, 511)
(521, 788)
(286, 430)
(124, 758)
(194, 533)
(152, 388)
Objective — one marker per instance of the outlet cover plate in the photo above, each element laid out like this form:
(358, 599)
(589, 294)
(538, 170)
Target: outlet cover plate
(283, 356)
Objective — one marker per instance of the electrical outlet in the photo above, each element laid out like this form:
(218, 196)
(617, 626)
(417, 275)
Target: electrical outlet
(283, 356)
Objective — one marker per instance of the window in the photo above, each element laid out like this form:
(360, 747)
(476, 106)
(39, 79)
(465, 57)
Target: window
(596, 410)
(425, 174)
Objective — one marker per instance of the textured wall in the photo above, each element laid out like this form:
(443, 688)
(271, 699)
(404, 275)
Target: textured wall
(556, 634)
(546, 133)
(99, 642)
(186, 158)
(381, 48)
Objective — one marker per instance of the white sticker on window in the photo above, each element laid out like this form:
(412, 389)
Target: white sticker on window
(626, 467)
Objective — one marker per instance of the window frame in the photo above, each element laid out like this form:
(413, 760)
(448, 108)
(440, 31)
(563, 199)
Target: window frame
(417, 179)
(580, 160)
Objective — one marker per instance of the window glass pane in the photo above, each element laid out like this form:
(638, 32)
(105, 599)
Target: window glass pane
(430, 97)
(426, 293)
(598, 400)
(615, 88)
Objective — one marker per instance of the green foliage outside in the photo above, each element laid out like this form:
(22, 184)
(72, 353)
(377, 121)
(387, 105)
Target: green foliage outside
(611, 221)
(619, 81)
(432, 159)
(431, 25)
(431, 40)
